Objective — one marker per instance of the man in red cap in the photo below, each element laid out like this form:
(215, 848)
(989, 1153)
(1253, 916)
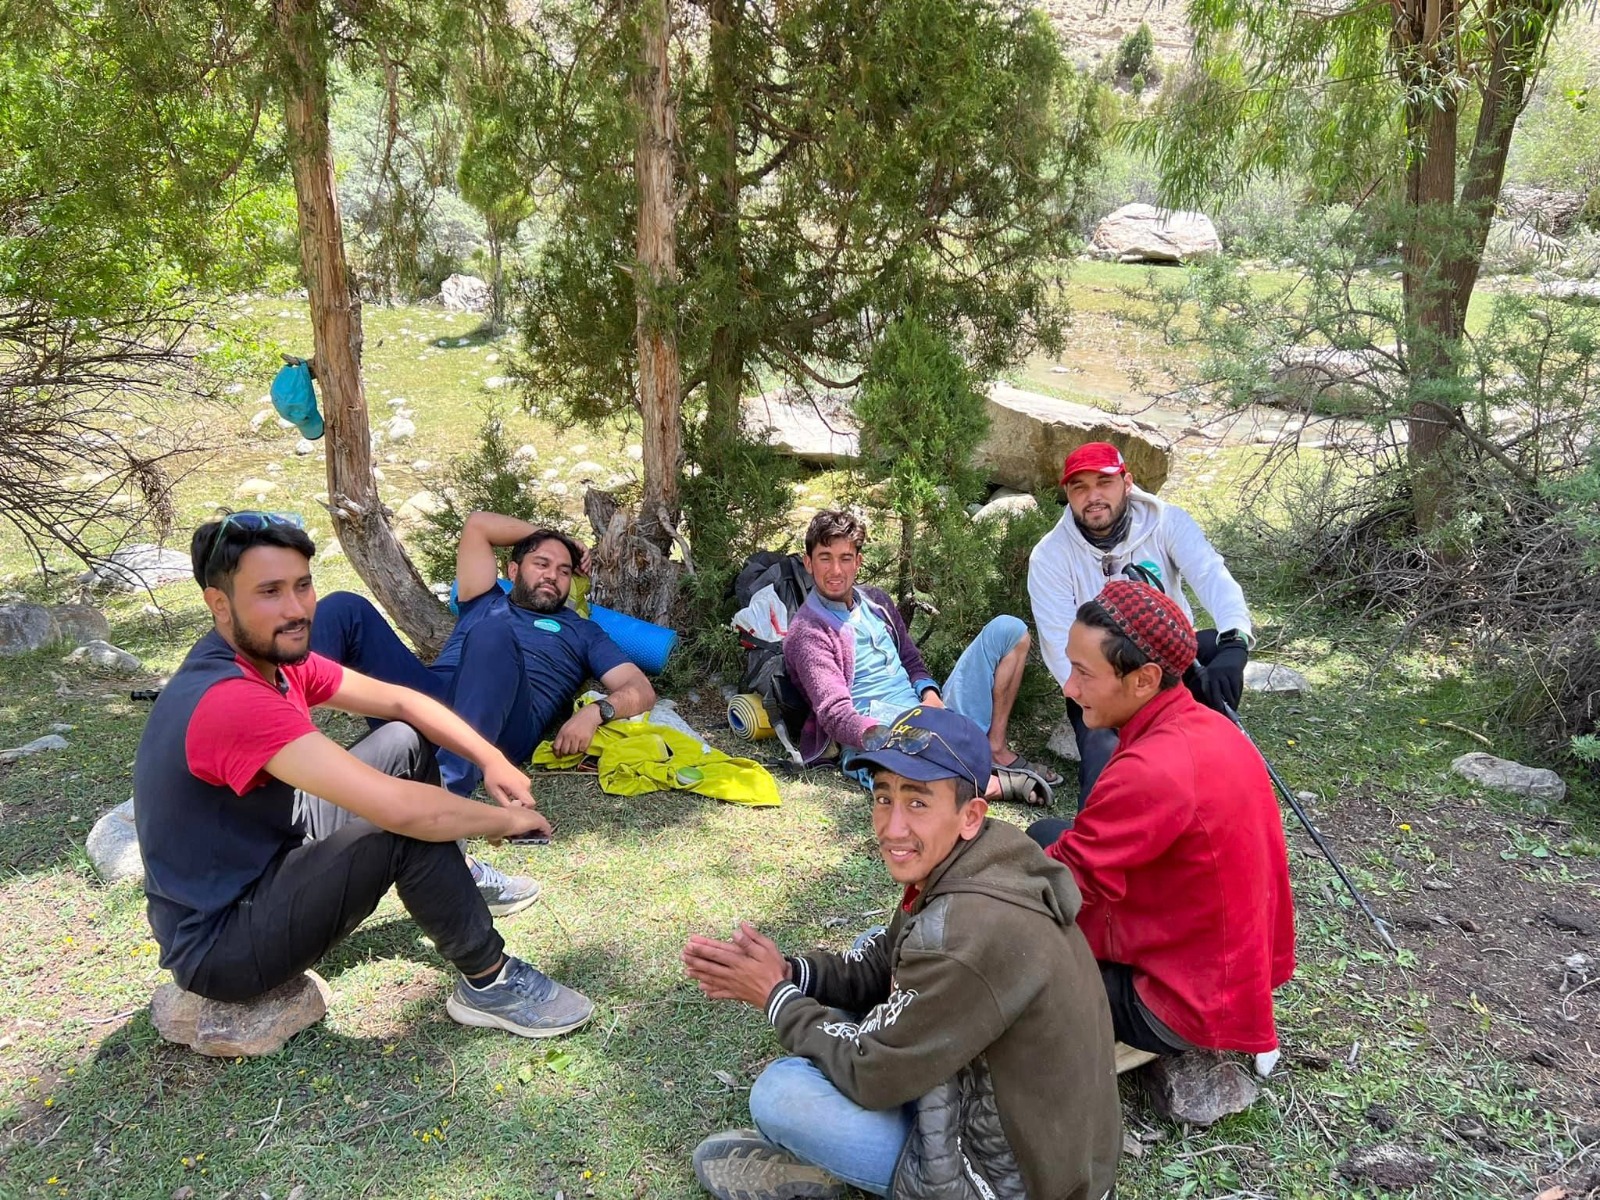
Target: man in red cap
(1179, 852)
(1114, 530)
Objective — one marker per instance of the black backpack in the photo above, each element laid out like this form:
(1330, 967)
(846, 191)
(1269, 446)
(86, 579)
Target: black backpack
(764, 672)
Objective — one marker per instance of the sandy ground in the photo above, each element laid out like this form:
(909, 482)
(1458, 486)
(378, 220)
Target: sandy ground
(1094, 27)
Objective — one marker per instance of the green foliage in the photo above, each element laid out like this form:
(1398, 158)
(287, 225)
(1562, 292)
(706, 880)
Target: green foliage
(740, 507)
(842, 162)
(490, 479)
(1558, 139)
(1136, 57)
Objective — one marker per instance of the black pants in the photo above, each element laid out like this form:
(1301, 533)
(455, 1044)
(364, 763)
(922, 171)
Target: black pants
(1096, 746)
(312, 897)
(1131, 1022)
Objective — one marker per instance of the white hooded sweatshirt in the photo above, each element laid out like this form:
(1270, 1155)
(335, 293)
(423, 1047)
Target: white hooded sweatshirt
(1064, 570)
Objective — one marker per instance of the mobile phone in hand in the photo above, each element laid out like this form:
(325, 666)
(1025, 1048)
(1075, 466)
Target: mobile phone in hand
(530, 838)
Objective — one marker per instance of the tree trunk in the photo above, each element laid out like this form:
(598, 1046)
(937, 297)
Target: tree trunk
(1424, 33)
(726, 366)
(359, 518)
(656, 273)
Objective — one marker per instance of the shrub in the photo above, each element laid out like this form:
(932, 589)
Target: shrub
(492, 479)
(1136, 57)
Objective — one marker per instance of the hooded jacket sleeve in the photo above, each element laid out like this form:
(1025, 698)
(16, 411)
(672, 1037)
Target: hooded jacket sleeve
(1203, 569)
(939, 1016)
(1055, 604)
(813, 658)
(853, 981)
(1134, 814)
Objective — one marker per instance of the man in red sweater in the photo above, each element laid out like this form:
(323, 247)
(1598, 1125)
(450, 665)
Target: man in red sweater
(1179, 850)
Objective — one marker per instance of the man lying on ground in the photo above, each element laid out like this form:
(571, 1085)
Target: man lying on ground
(1112, 529)
(1179, 852)
(511, 667)
(849, 653)
(983, 1063)
(265, 844)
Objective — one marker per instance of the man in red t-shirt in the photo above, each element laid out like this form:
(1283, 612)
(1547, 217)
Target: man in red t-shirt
(265, 843)
(1179, 850)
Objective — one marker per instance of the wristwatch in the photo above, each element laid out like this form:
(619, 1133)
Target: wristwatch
(608, 711)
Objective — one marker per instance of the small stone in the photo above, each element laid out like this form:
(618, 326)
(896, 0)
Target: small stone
(1537, 784)
(585, 469)
(1274, 677)
(634, 452)
(1199, 1087)
(260, 419)
(1571, 920)
(113, 846)
(1063, 741)
(1393, 1168)
(184, 1193)
(558, 489)
(304, 447)
(399, 429)
(1306, 797)
(260, 1026)
(1006, 504)
(495, 382)
(50, 741)
(421, 466)
(254, 487)
(106, 657)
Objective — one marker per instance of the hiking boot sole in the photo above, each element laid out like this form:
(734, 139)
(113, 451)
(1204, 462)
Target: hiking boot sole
(505, 908)
(463, 1015)
(743, 1165)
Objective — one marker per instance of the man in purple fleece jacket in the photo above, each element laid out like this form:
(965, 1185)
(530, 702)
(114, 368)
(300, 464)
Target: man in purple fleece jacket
(849, 652)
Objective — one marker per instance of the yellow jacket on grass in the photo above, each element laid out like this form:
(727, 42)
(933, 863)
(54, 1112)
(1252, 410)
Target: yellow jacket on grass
(636, 757)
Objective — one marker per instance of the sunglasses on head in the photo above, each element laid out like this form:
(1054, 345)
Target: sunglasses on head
(251, 521)
(914, 739)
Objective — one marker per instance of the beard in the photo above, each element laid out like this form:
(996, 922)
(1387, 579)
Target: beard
(540, 600)
(266, 649)
(1099, 522)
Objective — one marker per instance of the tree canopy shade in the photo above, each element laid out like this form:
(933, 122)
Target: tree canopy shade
(1412, 104)
(840, 160)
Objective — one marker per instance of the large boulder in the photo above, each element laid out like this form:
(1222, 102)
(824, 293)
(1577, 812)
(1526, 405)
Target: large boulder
(1005, 504)
(25, 628)
(140, 568)
(1574, 291)
(1031, 435)
(1543, 209)
(223, 1030)
(80, 623)
(1321, 379)
(818, 429)
(464, 293)
(1144, 233)
(1539, 785)
(113, 846)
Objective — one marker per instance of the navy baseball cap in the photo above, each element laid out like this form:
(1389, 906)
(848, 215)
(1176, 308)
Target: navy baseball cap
(931, 743)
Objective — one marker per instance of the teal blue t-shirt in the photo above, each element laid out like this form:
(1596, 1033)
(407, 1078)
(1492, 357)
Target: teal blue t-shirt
(881, 687)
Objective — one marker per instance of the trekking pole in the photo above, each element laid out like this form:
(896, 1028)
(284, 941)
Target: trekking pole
(1378, 922)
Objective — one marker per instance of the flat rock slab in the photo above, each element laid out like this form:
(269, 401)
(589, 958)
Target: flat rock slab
(1538, 784)
(106, 657)
(1393, 1168)
(50, 741)
(140, 568)
(113, 846)
(1145, 233)
(222, 1030)
(1199, 1087)
(1274, 677)
(1030, 436)
(819, 429)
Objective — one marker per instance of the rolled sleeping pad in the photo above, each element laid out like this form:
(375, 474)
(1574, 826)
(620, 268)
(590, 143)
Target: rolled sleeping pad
(748, 718)
(644, 644)
(647, 645)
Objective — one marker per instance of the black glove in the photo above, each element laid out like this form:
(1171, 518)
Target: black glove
(1222, 681)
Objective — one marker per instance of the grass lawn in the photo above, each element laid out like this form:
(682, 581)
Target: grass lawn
(1466, 1049)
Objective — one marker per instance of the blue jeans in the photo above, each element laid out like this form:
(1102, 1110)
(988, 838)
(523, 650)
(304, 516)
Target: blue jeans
(349, 630)
(970, 688)
(795, 1107)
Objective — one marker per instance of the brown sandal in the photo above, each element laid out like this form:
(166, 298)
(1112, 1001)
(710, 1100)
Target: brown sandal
(1024, 787)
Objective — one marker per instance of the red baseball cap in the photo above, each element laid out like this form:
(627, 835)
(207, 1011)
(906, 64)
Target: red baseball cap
(1101, 457)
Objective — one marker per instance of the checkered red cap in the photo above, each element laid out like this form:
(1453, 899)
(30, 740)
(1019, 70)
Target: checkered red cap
(1101, 457)
(1153, 621)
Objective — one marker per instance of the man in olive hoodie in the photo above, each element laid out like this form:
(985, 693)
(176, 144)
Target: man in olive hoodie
(966, 1052)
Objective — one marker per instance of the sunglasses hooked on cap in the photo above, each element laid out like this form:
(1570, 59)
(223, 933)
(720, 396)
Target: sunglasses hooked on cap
(931, 743)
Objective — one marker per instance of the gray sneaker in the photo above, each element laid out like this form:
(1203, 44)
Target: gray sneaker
(504, 894)
(740, 1164)
(526, 1002)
